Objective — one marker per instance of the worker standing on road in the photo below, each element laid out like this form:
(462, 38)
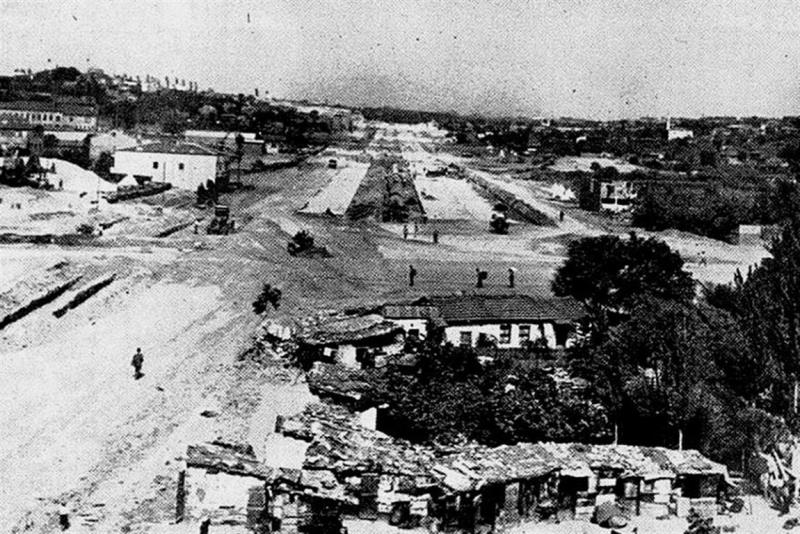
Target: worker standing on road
(481, 276)
(561, 216)
(137, 362)
(435, 236)
(511, 272)
(63, 516)
(416, 229)
(412, 273)
(405, 231)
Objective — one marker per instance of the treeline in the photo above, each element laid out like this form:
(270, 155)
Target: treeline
(712, 209)
(715, 373)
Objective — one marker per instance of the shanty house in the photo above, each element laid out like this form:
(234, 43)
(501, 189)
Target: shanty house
(184, 165)
(227, 487)
(358, 342)
(222, 483)
(509, 321)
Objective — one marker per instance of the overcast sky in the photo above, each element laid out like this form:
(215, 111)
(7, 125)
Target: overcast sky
(597, 59)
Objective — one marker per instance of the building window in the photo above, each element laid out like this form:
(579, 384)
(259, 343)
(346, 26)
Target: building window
(413, 332)
(58, 118)
(155, 164)
(180, 166)
(466, 339)
(524, 333)
(505, 334)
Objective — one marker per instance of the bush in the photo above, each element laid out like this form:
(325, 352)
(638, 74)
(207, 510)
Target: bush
(269, 296)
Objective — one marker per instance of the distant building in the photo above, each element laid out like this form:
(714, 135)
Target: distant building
(73, 115)
(184, 165)
(615, 195)
(677, 133)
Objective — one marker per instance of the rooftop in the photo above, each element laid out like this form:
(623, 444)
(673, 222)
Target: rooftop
(173, 147)
(496, 308)
(349, 329)
(340, 444)
(67, 107)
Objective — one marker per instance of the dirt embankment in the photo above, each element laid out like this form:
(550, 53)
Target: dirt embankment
(387, 193)
(35, 291)
(517, 208)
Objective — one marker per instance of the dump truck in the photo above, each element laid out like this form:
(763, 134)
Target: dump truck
(221, 224)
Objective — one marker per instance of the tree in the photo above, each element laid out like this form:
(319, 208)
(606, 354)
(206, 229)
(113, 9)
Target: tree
(767, 305)
(103, 164)
(173, 122)
(608, 273)
(269, 295)
(672, 367)
(450, 397)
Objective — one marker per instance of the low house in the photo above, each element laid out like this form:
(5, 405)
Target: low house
(223, 483)
(357, 342)
(477, 488)
(184, 165)
(226, 487)
(509, 321)
(415, 319)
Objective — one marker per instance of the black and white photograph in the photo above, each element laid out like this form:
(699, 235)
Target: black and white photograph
(399, 266)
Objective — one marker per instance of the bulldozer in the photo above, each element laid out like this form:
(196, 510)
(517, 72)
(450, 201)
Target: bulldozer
(221, 224)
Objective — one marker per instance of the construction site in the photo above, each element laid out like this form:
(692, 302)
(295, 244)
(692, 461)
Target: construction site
(176, 280)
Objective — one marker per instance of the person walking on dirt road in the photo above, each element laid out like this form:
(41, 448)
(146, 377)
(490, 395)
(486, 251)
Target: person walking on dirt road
(405, 231)
(137, 362)
(412, 273)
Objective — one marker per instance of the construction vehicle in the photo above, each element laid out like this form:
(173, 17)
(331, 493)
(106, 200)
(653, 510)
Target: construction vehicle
(221, 224)
(333, 164)
(302, 245)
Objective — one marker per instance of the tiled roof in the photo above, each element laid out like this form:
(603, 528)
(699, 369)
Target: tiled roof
(68, 108)
(168, 147)
(497, 308)
(408, 311)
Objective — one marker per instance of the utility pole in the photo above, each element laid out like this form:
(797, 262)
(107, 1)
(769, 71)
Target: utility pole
(680, 439)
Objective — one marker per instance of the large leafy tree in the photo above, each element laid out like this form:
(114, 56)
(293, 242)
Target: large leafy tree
(450, 397)
(767, 305)
(672, 367)
(609, 273)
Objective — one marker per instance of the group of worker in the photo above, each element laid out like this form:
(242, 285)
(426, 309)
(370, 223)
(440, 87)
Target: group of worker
(480, 276)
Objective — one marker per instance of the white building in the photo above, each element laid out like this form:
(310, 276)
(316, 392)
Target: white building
(507, 321)
(184, 165)
(677, 133)
(617, 195)
(70, 115)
